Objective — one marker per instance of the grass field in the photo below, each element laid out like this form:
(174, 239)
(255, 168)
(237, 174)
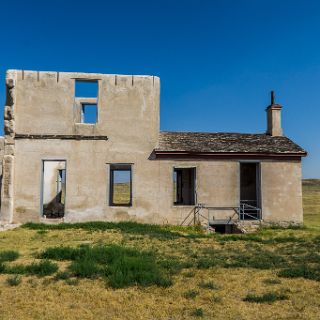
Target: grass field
(135, 271)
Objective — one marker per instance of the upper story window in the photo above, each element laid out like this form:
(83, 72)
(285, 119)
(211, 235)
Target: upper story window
(89, 113)
(86, 89)
(86, 101)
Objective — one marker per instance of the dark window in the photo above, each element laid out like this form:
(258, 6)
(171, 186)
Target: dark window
(86, 89)
(89, 113)
(184, 186)
(120, 185)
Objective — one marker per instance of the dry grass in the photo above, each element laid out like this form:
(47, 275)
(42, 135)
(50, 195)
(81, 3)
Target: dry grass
(121, 193)
(220, 292)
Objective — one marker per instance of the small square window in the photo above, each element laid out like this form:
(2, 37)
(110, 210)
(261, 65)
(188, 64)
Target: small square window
(86, 89)
(120, 185)
(89, 113)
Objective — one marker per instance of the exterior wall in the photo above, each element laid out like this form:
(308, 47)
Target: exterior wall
(128, 107)
(87, 190)
(128, 114)
(87, 182)
(282, 192)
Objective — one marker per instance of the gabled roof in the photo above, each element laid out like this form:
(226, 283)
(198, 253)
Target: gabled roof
(211, 143)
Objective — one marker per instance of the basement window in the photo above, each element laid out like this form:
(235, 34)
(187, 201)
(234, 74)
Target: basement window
(120, 185)
(89, 113)
(184, 181)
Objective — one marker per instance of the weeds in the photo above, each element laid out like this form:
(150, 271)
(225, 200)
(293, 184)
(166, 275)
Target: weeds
(13, 281)
(272, 281)
(84, 269)
(301, 271)
(198, 312)
(42, 268)
(121, 266)
(72, 282)
(269, 297)
(189, 274)
(62, 275)
(208, 285)
(168, 232)
(191, 294)
(8, 255)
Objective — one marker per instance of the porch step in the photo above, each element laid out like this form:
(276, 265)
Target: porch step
(221, 221)
(249, 226)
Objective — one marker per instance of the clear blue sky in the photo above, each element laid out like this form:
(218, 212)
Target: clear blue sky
(218, 60)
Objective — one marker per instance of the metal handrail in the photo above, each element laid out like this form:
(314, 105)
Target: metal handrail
(241, 212)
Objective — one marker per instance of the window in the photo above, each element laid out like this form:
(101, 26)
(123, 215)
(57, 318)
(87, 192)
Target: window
(86, 89)
(88, 113)
(120, 185)
(184, 186)
(86, 101)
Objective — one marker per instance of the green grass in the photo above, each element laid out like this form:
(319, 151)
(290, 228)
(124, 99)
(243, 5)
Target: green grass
(8, 255)
(121, 266)
(301, 271)
(42, 268)
(85, 269)
(198, 312)
(268, 297)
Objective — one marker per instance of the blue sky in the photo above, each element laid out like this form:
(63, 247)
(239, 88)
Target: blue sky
(218, 60)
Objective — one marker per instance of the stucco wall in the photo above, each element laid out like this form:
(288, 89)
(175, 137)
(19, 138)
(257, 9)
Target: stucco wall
(128, 107)
(282, 191)
(87, 191)
(128, 114)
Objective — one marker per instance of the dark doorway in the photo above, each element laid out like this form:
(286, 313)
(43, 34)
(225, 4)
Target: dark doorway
(250, 190)
(184, 186)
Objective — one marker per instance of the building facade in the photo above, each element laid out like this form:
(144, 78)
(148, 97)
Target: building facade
(82, 147)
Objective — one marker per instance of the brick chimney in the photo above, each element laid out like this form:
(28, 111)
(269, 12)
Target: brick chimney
(274, 118)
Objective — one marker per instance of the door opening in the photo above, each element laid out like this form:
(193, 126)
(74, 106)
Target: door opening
(53, 188)
(250, 191)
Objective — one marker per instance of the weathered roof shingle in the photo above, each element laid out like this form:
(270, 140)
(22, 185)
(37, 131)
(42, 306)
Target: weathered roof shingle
(210, 142)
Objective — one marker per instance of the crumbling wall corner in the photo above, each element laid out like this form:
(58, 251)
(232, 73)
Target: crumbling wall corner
(7, 183)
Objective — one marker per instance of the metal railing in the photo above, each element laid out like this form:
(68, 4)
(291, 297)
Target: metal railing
(249, 211)
(245, 211)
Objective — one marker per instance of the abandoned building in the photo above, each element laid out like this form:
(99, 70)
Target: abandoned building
(81, 147)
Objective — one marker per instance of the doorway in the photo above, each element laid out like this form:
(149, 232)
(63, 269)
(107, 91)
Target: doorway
(53, 188)
(250, 191)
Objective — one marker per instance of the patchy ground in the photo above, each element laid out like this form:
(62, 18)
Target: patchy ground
(134, 271)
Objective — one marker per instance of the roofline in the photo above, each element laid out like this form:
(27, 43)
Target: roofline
(80, 75)
(160, 154)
